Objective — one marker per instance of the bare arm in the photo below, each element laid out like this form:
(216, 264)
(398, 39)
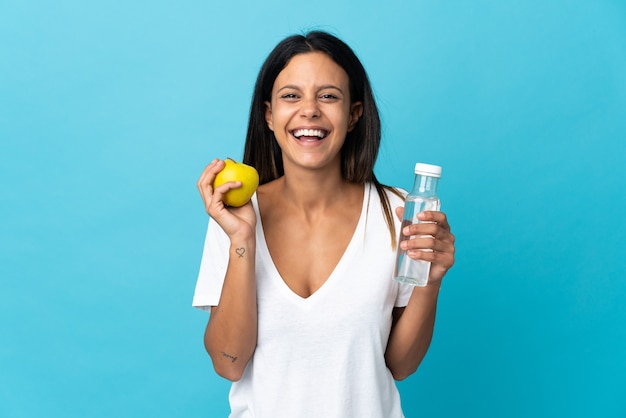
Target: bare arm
(231, 333)
(412, 332)
(413, 326)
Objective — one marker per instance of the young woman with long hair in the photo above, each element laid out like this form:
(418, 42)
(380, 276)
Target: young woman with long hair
(306, 320)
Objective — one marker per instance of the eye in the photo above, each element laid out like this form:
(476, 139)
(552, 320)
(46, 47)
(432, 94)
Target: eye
(329, 97)
(289, 96)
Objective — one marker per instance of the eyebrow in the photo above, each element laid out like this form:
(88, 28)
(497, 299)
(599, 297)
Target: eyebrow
(322, 87)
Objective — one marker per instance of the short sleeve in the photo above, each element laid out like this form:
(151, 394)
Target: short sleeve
(212, 268)
(404, 294)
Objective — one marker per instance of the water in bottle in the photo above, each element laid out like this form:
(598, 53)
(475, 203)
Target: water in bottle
(422, 198)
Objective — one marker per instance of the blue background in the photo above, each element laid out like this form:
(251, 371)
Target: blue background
(110, 110)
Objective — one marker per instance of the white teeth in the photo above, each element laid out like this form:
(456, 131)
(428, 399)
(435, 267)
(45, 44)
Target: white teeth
(309, 132)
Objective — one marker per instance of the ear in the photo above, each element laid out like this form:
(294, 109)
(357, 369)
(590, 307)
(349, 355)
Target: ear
(356, 111)
(268, 115)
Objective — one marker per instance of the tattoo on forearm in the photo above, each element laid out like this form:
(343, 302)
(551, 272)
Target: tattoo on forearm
(229, 356)
(240, 252)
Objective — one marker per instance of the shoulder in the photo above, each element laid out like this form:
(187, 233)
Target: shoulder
(393, 195)
(268, 195)
(270, 186)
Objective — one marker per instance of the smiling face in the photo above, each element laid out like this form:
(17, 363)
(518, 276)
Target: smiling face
(310, 111)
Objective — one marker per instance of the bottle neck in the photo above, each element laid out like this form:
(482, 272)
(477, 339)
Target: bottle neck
(425, 186)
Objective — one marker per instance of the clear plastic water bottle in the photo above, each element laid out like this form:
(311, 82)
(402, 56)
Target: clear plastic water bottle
(422, 198)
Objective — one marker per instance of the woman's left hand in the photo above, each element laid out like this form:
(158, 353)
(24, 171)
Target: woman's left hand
(430, 241)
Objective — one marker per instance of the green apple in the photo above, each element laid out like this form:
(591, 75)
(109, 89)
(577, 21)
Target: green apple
(234, 171)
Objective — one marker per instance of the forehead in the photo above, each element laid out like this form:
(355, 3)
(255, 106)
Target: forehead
(312, 67)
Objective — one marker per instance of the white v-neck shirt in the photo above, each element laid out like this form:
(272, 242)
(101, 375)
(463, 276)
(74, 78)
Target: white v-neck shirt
(321, 356)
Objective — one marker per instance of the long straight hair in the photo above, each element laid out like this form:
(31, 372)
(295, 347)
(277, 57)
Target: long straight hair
(360, 149)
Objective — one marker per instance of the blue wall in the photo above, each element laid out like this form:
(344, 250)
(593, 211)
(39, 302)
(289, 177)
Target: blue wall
(110, 110)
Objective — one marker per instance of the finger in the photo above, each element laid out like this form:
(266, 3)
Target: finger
(202, 180)
(420, 243)
(210, 171)
(428, 243)
(421, 229)
(437, 217)
(399, 212)
(443, 259)
(431, 229)
(217, 199)
(205, 182)
(222, 189)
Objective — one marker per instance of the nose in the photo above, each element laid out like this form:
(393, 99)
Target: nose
(310, 108)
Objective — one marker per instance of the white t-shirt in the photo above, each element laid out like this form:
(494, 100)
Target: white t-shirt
(321, 356)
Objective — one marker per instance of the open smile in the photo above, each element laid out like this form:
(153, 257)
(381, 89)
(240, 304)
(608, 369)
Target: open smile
(309, 134)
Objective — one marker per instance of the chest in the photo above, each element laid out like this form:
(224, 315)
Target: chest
(359, 294)
(305, 255)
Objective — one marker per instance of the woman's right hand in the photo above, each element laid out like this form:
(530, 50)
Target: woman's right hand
(238, 223)
(231, 333)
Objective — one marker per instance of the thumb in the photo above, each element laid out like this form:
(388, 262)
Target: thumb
(399, 212)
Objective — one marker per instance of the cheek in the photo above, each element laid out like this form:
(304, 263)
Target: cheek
(280, 117)
(345, 121)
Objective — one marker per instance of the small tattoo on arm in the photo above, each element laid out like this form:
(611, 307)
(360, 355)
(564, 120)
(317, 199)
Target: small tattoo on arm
(240, 252)
(229, 356)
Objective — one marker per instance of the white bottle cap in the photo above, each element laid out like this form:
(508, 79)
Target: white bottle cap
(428, 170)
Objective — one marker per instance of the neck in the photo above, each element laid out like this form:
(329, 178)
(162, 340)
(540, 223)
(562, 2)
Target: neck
(315, 189)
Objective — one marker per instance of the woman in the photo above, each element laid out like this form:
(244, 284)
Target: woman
(305, 317)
